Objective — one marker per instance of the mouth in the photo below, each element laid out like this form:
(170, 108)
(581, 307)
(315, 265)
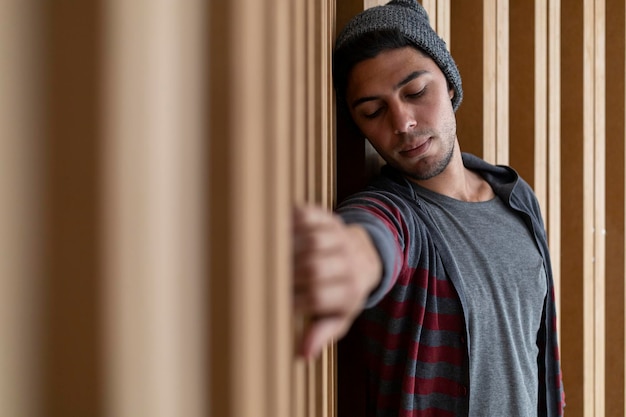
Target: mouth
(417, 150)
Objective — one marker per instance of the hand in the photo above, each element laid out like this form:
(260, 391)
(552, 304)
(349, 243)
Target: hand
(336, 266)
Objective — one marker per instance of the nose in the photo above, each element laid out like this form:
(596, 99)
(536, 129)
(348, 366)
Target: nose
(402, 118)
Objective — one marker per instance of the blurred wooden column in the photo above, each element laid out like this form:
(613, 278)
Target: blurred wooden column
(21, 82)
(313, 165)
(271, 143)
(151, 156)
(100, 151)
(154, 208)
(71, 336)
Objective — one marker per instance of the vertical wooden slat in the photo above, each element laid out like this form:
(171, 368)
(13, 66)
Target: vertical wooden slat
(467, 20)
(314, 384)
(237, 154)
(71, 371)
(573, 349)
(328, 33)
(443, 21)
(554, 147)
(153, 214)
(220, 153)
(313, 173)
(319, 175)
(246, 308)
(439, 15)
(431, 8)
(371, 3)
(298, 172)
(614, 166)
(502, 82)
(588, 203)
(313, 142)
(490, 81)
(599, 208)
(539, 177)
(495, 81)
(21, 208)
(280, 348)
(527, 88)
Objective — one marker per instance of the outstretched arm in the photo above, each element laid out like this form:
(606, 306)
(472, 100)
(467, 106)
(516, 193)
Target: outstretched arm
(336, 266)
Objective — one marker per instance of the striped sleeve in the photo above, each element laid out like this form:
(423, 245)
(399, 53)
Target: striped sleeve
(383, 222)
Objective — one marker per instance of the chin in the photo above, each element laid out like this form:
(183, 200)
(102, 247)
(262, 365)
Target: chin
(429, 170)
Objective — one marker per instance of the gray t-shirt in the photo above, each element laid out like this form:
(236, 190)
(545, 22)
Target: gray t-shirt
(504, 282)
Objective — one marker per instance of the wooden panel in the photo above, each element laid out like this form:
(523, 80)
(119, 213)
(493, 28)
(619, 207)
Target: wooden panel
(534, 76)
(577, 174)
(279, 339)
(366, 4)
(439, 15)
(615, 138)
(267, 163)
(598, 78)
(466, 46)
(495, 81)
(355, 159)
(502, 81)
(298, 174)
(490, 81)
(21, 210)
(527, 89)
(236, 162)
(71, 371)
(553, 215)
(153, 210)
(320, 184)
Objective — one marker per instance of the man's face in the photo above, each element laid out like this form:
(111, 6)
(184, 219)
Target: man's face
(401, 102)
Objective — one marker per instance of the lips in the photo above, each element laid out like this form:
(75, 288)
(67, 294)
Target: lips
(417, 150)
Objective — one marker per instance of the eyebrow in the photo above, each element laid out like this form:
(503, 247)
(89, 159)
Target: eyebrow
(402, 83)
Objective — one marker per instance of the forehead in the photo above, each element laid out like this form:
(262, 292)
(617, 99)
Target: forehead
(388, 68)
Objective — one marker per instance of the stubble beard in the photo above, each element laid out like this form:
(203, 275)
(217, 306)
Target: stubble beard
(427, 170)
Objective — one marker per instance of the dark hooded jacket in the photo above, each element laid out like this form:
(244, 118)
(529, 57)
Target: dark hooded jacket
(416, 343)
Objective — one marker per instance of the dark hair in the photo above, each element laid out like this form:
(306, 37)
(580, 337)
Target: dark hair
(365, 46)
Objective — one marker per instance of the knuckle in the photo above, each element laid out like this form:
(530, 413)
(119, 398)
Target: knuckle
(316, 300)
(314, 271)
(314, 241)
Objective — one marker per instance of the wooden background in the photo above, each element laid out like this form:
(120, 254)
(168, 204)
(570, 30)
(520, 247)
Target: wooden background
(150, 155)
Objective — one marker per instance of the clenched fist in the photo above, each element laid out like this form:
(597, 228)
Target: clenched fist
(336, 266)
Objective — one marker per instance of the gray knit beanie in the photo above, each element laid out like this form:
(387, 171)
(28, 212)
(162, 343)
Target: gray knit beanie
(410, 18)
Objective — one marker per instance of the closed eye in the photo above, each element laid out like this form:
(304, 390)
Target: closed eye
(418, 94)
(373, 115)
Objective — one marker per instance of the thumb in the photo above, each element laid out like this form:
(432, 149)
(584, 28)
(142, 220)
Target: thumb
(319, 333)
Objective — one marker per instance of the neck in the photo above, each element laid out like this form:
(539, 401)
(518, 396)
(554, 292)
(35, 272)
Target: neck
(458, 182)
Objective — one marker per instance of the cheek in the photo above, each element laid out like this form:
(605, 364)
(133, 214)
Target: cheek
(374, 131)
(367, 127)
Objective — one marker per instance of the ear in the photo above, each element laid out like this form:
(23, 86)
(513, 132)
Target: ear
(451, 93)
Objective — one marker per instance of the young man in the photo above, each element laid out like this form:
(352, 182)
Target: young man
(444, 255)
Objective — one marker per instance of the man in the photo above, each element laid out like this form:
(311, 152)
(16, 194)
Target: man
(444, 255)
